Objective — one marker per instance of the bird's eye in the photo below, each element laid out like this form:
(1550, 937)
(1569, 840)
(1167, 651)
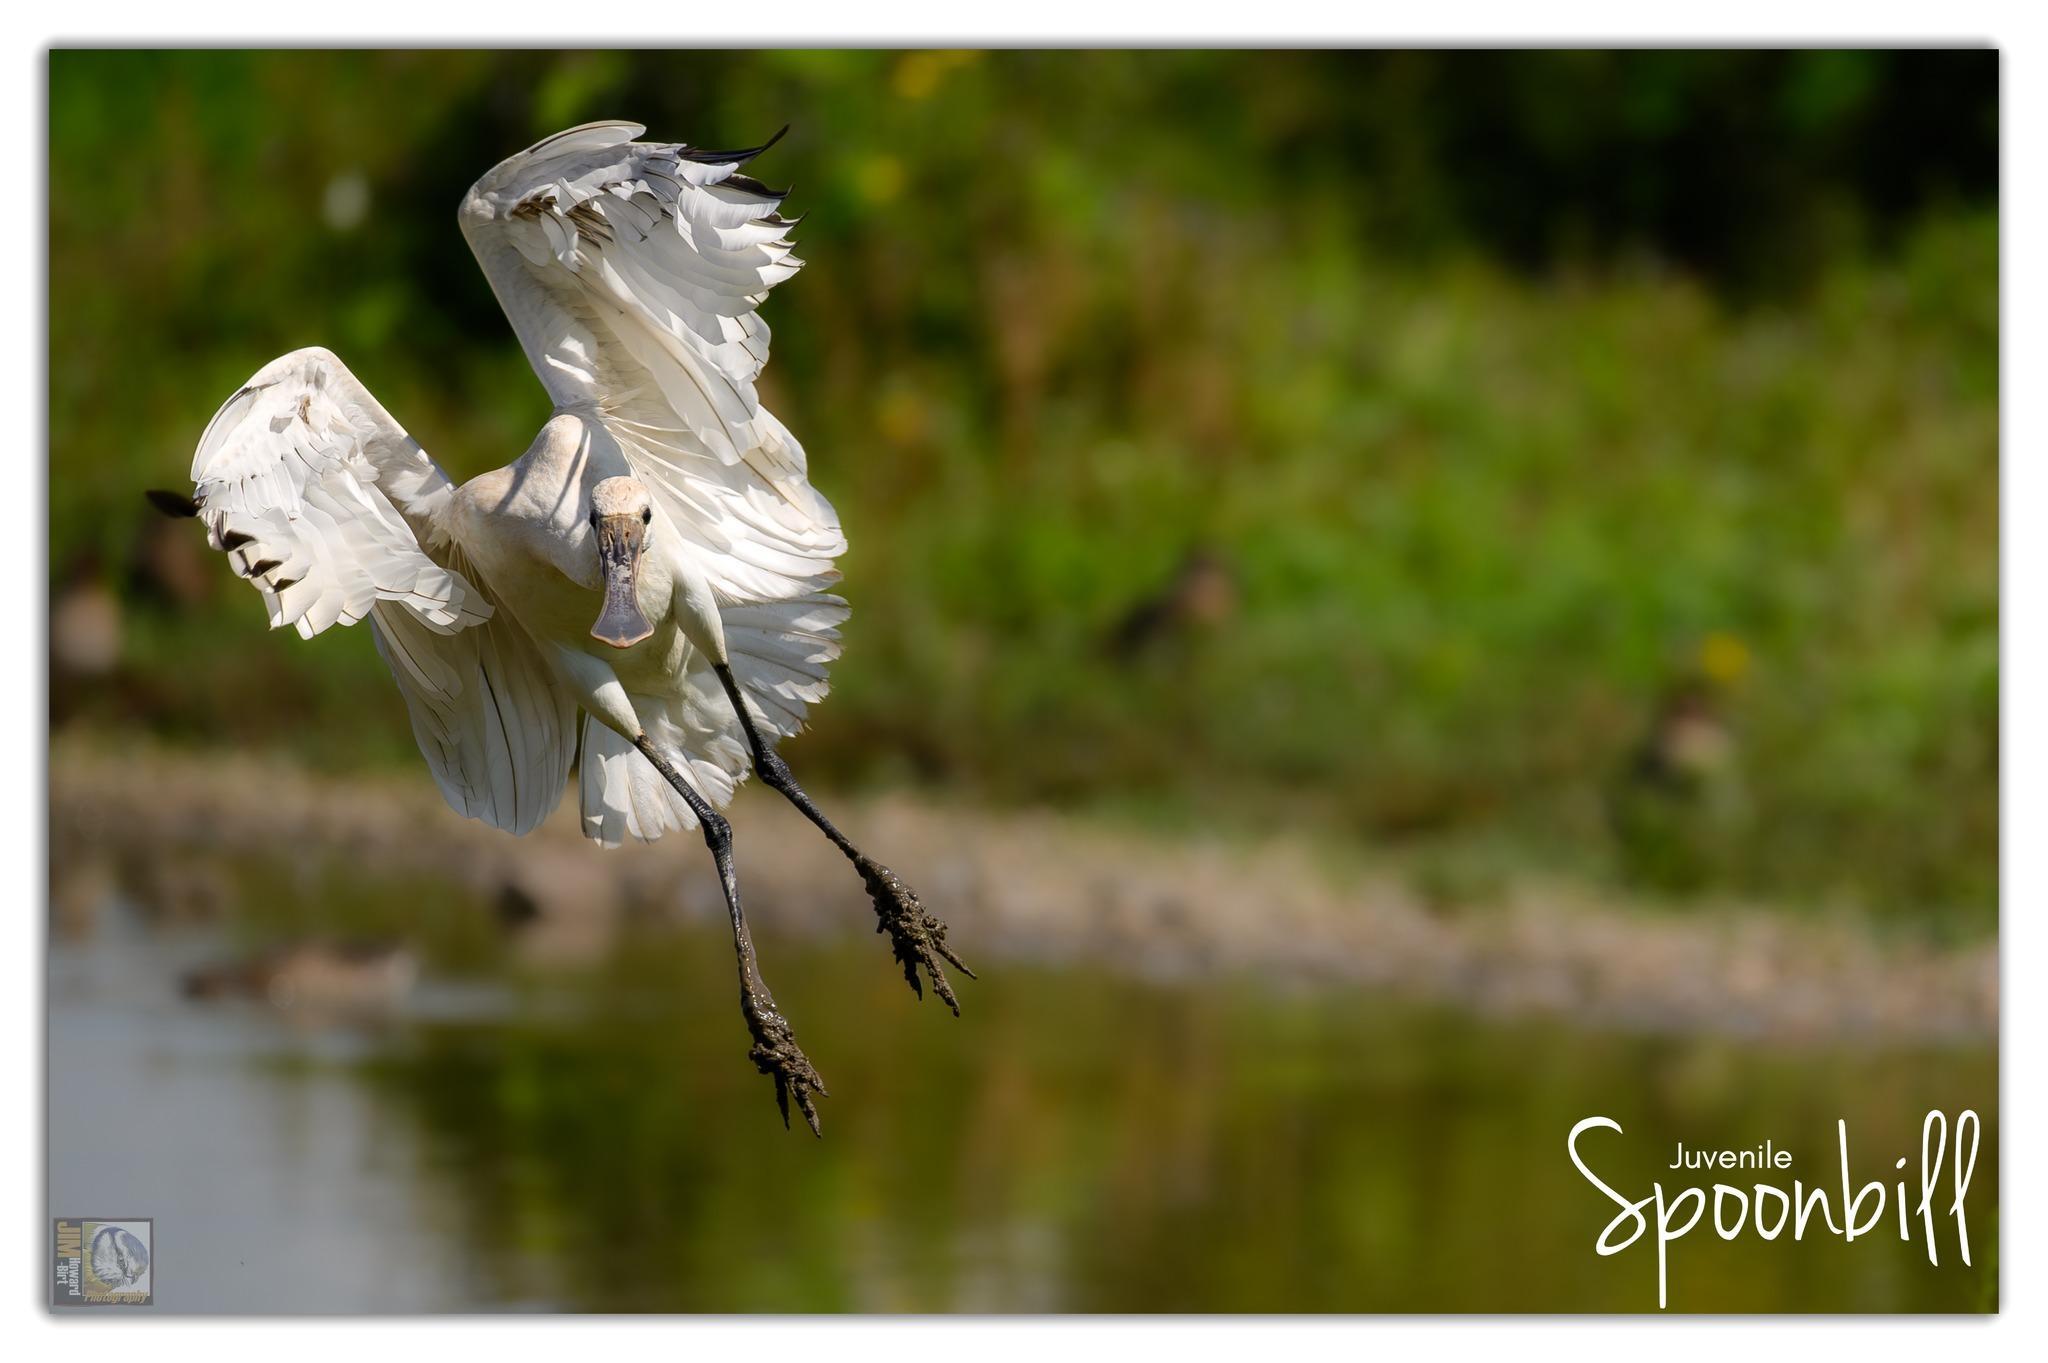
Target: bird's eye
(647, 515)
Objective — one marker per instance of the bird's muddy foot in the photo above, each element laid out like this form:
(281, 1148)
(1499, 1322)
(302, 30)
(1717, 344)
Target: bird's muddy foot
(777, 1055)
(918, 938)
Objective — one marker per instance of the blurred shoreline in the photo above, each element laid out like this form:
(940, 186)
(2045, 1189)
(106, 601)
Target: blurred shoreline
(1043, 887)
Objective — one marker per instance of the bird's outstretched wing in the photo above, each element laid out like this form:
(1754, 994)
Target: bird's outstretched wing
(320, 500)
(631, 272)
(327, 507)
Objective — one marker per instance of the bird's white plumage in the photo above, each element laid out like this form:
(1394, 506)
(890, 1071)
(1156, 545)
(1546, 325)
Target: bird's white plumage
(631, 273)
(624, 796)
(316, 493)
(496, 728)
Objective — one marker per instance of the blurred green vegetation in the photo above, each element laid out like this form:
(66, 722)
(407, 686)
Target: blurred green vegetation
(1597, 452)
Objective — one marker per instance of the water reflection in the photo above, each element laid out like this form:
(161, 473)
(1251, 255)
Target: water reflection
(275, 1185)
(593, 1138)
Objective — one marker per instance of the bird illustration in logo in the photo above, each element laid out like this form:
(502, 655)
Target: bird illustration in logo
(119, 1259)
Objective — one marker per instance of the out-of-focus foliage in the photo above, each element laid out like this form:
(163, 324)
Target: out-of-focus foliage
(1526, 408)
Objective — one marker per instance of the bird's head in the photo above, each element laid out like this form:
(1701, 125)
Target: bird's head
(620, 512)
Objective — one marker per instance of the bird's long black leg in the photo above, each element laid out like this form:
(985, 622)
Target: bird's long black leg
(775, 1052)
(917, 937)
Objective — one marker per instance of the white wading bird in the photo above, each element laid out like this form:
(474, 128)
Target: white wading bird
(656, 560)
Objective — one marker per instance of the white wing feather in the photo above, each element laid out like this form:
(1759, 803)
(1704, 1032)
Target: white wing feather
(498, 734)
(318, 498)
(632, 272)
(332, 512)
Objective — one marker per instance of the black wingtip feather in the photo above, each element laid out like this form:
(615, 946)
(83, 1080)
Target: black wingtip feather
(756, 188)
(176, 505)
(730, 158)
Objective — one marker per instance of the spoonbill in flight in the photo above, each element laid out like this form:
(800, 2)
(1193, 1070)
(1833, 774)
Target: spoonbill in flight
(645, 586)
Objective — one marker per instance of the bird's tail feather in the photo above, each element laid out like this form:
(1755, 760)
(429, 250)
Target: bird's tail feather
(623, 795)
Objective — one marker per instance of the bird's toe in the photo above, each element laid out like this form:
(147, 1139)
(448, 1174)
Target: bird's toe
(777, 1055)
(916, 936)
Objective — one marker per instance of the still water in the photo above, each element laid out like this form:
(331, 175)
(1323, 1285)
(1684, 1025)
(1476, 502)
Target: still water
(593, 1138)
